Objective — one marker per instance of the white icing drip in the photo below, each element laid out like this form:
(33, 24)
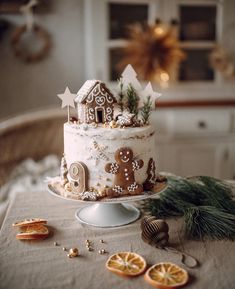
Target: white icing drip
(91, 113)
(89, 196)
(90, 98)
(109, 99)
(132, 187)
(135, 165)
(118, 189)
(114, 168)
(109, 112)
(85, 89)
(100, 100)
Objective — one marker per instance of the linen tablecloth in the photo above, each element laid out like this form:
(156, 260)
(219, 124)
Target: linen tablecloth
(41, 265)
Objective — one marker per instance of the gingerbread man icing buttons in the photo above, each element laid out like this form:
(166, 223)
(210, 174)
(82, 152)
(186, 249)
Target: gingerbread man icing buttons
(123, 171)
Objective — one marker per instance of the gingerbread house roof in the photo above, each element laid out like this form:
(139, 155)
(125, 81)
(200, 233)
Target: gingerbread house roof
(88, 87)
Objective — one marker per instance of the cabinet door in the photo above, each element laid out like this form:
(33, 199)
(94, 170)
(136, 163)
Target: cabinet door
(226, 169)
(194, 160)
(200, 159)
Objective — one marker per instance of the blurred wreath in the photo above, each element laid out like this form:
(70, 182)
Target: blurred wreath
(222, 62)
(154, 52)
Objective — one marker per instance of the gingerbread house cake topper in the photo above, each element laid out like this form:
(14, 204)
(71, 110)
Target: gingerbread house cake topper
(97, 106)
(95, 102)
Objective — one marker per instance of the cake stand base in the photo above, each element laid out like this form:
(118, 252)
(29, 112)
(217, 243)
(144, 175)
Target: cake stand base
(107, 215)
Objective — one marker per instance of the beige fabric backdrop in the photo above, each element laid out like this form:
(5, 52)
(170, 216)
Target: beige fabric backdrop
(40, 264)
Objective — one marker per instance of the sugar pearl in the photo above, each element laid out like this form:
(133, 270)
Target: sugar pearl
(73, 252)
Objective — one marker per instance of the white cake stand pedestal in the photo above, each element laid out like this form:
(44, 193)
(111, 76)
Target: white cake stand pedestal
(107, 213)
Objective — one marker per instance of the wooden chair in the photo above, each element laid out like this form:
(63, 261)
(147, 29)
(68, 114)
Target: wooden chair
(32, 135)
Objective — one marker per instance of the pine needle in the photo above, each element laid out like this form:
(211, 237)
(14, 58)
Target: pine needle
(146, 110)
(132, 100)
(205, 203)
(217, 194)
(208, 221)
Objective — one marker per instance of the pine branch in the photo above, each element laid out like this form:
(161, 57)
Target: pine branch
(208, 221)
(217, 194)
(146, 110)
(132, 100)
(121, 94)
(205, 203)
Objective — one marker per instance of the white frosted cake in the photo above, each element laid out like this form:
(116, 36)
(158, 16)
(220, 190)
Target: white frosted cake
(109, 149)
(96, 146)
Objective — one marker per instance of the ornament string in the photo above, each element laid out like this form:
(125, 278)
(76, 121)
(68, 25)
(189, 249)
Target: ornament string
(27, 10)
(186, 259)
(155, 232)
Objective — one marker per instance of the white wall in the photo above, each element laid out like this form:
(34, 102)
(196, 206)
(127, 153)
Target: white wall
(24, 86)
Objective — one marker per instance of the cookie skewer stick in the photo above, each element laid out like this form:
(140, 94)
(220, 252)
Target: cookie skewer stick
(27, 10)
(67, 100)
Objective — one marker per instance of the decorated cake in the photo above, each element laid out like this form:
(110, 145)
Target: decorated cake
(109, 147)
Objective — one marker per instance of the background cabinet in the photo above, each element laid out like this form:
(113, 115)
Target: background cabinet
(189, 141)
(105, 36)
(199, 27)
(203, 150)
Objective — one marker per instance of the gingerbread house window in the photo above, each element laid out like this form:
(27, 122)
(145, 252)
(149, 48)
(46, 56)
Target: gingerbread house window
(95, 102)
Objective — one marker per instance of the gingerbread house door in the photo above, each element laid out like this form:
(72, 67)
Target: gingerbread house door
(100, 115)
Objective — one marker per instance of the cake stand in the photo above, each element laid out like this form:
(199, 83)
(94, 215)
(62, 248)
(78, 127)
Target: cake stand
(107, 213)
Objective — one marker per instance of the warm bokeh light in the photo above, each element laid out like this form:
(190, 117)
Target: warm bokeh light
(159, 30)
(164, 76)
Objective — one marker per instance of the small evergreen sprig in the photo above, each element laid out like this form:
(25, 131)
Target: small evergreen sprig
(146, 110)
(132, 100)
(121, 94)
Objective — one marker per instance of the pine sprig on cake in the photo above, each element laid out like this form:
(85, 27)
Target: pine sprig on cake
(121, 94)
(132, 100)
(146, 110)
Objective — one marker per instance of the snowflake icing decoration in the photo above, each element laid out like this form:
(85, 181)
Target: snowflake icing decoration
(97, 152)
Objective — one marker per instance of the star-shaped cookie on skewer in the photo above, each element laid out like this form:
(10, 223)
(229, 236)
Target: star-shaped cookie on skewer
(148, 92)
(67, 100)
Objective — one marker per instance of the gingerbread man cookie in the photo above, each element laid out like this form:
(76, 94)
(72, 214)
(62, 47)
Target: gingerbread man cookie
(123, 169)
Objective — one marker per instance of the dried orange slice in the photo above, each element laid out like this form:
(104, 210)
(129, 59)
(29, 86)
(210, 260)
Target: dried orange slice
(126, 264)
(166, 276)
(27, 222)
(33, 232)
